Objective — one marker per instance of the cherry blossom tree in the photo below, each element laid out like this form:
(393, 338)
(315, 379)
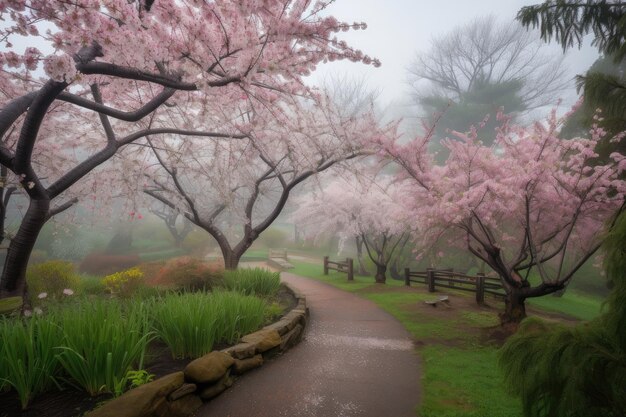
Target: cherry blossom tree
(235, 189)
(531, 206)
(361, 206)
(258, 48)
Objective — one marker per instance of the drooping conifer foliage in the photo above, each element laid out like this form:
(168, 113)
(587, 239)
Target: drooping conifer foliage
(575, 371)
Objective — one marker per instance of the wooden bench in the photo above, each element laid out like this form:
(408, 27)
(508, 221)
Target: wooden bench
(443, 300)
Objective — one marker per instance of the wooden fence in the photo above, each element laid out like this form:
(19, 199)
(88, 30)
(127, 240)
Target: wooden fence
(447, 278)
(346, 266)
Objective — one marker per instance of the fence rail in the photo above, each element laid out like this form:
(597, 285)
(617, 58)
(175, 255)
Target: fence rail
(346, 266)
(447, 278)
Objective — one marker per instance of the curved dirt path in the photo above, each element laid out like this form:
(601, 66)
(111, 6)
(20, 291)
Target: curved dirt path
(355, 360)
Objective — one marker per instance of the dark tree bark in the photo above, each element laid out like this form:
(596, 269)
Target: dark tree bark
(21, 247)
(381, 270)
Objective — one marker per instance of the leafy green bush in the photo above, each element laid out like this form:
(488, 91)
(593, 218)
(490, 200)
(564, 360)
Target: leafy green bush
(257, 281)
(51, 278)
(190, 274)
(28, 363)
(103, 341)
(190, 324)
(124, 284)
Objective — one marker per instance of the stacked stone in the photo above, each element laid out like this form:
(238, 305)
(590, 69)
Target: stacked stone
(181, 393)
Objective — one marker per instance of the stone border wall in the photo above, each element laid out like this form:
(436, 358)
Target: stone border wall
(181, 393)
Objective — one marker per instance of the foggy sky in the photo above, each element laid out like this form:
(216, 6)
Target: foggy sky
(397, 29)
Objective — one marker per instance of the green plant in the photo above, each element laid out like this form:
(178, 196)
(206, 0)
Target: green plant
(124, 284)
(575, 371)
(257, 281)
(139, 378)
(190, 324)
(273, 312)
(51, 278)
(189, 274)
(104, 339)
(27, 357)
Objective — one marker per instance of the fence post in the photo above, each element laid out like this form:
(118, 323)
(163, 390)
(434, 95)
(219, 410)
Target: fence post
(407, 277)
(325, 265)
(430, 279)
(350, 269)
(480, 288)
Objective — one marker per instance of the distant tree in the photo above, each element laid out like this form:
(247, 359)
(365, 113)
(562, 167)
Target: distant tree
(478, 67)
(360, 207)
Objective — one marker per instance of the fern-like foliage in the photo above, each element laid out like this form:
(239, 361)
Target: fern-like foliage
(575, 371)
(568, 21)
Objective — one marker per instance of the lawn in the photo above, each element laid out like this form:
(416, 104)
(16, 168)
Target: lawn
(572, 303)
(460, 372)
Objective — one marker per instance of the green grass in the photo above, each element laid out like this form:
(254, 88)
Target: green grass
(252, 281)
(255, 255)
(461, 377)
(28, 363)
(572, 303)
(337, 279)
(162, 254)
(103, 340)
(464, 382)
(191, 324)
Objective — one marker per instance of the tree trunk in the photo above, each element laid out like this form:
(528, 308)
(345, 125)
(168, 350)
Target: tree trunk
(515, 309)
(380, 277)
(359, 256)
(395, 274)
(231, 259)
(13, 280)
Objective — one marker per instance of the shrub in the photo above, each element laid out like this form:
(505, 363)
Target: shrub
(51, 277)
(257, 281)
(124, 284)
(190, 274)
(190, 324)
(104, 264)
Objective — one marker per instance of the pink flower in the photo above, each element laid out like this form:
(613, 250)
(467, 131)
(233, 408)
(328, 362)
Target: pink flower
(68, 291)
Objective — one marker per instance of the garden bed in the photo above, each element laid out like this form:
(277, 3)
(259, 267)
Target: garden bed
(158, 362)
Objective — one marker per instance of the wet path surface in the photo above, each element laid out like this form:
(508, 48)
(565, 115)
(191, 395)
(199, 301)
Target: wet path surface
(355, 360)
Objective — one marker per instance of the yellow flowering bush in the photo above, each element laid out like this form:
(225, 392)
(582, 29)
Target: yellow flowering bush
(124, 283)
